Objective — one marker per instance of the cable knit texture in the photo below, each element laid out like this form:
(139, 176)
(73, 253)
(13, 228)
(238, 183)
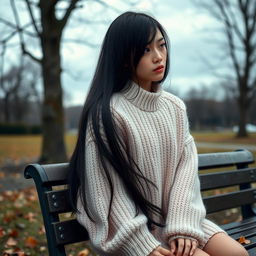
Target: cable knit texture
(155, 131)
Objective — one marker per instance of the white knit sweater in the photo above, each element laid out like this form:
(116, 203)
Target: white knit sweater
(154, 128)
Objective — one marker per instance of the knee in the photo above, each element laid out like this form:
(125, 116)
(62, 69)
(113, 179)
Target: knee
(240, 252)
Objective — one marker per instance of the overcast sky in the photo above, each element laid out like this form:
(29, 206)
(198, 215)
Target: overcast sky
(189, 29)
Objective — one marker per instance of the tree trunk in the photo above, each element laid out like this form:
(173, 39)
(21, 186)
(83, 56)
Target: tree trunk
(6, 109)
(242, 114)
(53, 146)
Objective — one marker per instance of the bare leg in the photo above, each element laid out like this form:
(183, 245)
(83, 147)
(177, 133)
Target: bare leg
(223, 245)
(199, 252)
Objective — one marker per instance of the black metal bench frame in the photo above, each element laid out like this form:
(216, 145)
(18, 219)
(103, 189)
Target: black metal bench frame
(54, 202)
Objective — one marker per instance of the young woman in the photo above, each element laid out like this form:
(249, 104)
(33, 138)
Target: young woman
(134, 175)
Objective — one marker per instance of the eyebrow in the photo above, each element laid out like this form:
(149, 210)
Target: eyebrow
(160, 39)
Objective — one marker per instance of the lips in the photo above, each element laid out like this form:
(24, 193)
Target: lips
(159, 68)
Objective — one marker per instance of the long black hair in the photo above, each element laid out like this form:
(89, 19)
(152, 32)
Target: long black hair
(123, 46)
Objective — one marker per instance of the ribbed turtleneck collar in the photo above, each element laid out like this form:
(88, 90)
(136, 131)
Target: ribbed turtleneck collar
(141, 98)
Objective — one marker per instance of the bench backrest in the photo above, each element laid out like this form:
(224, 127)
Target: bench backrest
(51, 184)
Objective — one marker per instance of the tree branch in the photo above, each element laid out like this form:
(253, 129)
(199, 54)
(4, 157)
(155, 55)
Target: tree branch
(2, 66)
(234, 23)
(254, 18)
(23, 29)
(19, 30)
(69, 10)
(33, 18)
(24, 51)
(228, 28)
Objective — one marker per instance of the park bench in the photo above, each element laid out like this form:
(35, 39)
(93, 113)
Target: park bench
(227, 169)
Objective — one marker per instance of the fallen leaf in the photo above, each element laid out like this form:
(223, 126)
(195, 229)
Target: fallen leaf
(41, 230)
(7, 252)
(16, 252)
(84, 252)
(16, 175)
(31, 242)
(243, 240)
(30, 217)
(9, 216)
(42, 249)
(2, 232)
(11, 242)
(13, 233)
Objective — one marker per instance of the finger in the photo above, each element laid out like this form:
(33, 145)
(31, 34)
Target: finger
(173, 246)
(180, 247)
(164, 251)
(187, 247)
(155, 252)
(194, 246)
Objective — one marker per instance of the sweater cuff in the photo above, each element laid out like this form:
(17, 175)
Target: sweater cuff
(210, 229)
(141, 244)
(171, 238)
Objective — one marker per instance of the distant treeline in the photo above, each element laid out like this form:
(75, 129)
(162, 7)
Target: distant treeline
(20, 129)
(204, 114)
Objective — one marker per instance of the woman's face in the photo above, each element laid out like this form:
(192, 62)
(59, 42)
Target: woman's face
(151, 66)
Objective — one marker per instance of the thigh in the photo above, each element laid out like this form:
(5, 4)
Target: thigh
(223, 245)
(200, 252)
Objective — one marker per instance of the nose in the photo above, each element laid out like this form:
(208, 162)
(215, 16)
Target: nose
(157, 56)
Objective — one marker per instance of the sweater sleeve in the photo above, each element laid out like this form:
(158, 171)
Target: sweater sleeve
(186, 210)
(120, 231)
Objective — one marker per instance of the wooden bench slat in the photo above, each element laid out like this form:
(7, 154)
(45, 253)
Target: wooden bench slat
(252, 251)
(246, 233)
(223, 159)
(242, 229)
(230, 200)
(233, 225)
(227, 178)
(252, 246)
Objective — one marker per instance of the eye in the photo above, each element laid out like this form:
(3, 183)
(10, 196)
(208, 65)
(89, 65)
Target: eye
(146, 50)
(163, 45)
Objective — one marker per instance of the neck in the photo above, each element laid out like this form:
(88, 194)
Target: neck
(150, 86)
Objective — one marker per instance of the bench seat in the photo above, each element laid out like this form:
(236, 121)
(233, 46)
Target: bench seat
(215, 173)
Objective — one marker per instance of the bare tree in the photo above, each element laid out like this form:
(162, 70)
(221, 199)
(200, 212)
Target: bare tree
(238, 20)
(49, 30)
(48, 19)
(9, 85)
(18, 85)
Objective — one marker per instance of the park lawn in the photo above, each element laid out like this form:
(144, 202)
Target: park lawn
(26, 148)
(21, 226)
(224, 137)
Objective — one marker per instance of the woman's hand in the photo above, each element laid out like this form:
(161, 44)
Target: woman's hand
(183, 246)
(160, 251)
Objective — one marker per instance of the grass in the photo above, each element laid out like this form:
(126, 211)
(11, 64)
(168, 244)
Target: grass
(224, 137)
(20, 216)
(16, 148)
(21, 226)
